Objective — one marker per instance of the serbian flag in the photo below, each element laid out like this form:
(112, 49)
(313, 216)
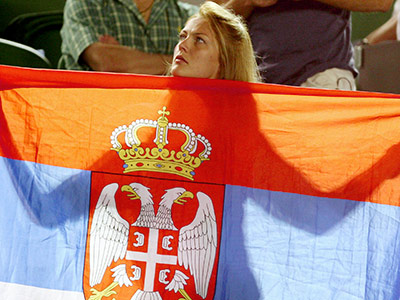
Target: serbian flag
(140, 187)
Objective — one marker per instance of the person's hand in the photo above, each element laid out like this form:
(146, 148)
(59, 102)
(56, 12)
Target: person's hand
(108, 39)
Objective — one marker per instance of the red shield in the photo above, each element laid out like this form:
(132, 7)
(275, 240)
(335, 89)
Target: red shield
(152, 238)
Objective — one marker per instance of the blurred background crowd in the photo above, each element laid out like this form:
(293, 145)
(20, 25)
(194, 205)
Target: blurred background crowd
(34, 26)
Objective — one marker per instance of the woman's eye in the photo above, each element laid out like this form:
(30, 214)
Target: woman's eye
(182, 36)
(200, 40)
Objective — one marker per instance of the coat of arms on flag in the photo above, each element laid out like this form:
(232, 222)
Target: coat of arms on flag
(154, 238)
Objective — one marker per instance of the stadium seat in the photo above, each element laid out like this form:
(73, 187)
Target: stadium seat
(379, 67)
(9, 9)
(16, 54)
(38, 30)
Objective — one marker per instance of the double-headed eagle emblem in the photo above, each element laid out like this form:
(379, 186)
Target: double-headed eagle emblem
(109, 241)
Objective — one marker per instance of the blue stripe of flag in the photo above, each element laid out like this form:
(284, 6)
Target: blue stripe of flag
(273, 245)
(43, 224)
(282, 246)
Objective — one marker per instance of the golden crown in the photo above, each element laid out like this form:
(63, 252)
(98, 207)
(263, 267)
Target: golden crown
(159, 159)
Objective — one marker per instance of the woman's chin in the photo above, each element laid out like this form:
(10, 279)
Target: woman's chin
(180, 71)
(176, 72)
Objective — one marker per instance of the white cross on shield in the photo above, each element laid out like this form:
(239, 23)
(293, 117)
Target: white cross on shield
(152, 258)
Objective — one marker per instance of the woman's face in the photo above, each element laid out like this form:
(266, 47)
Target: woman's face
(196, 54)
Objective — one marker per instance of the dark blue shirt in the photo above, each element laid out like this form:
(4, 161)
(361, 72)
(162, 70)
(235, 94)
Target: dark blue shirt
(297, 39)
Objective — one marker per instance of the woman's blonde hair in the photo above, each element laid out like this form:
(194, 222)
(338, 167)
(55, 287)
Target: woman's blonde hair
(236, 54)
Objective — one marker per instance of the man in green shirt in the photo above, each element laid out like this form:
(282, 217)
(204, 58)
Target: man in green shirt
(132, 36)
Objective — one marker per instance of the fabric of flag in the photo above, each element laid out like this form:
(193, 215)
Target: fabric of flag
(299, 189)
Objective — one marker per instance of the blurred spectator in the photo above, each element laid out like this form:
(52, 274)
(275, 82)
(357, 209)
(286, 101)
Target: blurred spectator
(304, 42)
(135, 36)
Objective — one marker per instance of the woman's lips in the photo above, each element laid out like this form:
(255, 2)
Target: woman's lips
(180, 59)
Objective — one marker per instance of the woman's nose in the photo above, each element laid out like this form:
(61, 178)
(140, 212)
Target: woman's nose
(183, 45)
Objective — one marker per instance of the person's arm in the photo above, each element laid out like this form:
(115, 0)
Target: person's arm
(386, 32)
(245, 7)
(84, 44)
(116, 58)
(360, 5)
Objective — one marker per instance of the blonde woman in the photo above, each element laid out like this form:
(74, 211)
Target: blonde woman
(215, 44)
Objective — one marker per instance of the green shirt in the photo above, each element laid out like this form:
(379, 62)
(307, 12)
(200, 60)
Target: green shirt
(86, 20)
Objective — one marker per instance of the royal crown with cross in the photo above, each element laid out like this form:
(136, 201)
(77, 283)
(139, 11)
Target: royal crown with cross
(182, 162)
